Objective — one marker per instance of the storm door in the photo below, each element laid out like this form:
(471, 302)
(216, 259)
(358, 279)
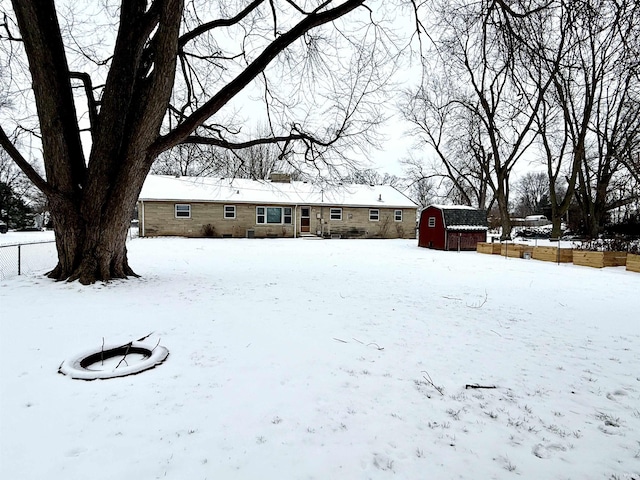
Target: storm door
(305, 219)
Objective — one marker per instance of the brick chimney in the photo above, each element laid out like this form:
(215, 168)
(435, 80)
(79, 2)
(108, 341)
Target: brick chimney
(280, 178)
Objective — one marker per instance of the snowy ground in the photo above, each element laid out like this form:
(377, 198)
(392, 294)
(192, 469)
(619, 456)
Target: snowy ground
(12, 237)
(336, 359)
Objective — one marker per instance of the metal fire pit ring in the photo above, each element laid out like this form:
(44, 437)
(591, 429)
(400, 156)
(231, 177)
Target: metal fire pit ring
(89, 365)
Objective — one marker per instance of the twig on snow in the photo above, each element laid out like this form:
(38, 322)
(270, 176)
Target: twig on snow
(427, 378)
(141, 339)
(128, 345)
(475, 385)
(480, 305)
(369, 344)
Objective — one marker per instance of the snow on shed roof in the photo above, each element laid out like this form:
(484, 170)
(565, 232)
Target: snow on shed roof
(453, 207)
(463, 217)
(467, 227)
(238, 190)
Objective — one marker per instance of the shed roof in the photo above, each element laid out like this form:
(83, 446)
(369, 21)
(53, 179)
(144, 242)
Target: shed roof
(462, 217)
(237, 190)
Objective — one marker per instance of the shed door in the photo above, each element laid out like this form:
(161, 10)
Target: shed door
(305, 219)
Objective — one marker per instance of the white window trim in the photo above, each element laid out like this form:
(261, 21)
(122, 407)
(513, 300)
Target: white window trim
(377, 214)
(395, 215)
(224, 212)
(175, 210)
(282, 215)
(338, 212)
(432, 222)
(264, 214)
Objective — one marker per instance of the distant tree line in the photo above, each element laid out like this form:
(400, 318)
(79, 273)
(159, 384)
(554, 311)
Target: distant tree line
(551, 86)
(548, 86)
(19, 199)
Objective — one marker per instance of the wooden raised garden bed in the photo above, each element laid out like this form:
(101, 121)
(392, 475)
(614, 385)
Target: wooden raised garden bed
(599, 259)
(553, 254)
(490, 248)
(515, 250)
(633, 262)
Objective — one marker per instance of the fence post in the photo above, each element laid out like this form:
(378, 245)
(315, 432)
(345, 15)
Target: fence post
(18, 259)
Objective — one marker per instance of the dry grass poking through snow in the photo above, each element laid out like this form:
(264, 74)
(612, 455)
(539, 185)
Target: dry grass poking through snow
(327, 359)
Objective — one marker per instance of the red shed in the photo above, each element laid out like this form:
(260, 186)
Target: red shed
(452, 227)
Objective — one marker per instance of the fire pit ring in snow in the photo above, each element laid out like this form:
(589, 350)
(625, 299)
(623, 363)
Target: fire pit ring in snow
(114, 361)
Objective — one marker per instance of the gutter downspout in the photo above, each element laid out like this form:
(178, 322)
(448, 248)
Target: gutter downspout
(141, 219)
(295, 221)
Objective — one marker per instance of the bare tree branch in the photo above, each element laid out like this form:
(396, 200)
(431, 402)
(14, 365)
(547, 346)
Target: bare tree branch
(24, 165)
(210, 107)
(224, 22)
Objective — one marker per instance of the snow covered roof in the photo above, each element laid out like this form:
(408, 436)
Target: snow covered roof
(453, 207)
(463, 217)
(466, 228)
(237, 190)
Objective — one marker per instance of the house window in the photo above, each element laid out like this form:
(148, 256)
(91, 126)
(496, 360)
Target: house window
(397, 215)
(374, 215)
(260, 215)
(230, 211)
(182, 210)
(335, 214)
(274, 215)
(432, 222)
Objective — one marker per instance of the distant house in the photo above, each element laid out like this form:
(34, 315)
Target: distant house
(228, 207)
(452, 227)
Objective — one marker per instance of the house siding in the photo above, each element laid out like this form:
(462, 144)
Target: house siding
(160, 220)
(355, 223)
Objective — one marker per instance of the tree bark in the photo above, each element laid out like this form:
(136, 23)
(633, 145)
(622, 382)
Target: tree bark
(91, 200)
(505, 218)
(93, 248)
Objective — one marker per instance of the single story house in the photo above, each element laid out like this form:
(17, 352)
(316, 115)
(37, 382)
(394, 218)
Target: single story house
(234, 207)
(452, 227)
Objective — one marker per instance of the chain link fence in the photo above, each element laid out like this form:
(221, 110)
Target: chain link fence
(32, 257)
(24, 258)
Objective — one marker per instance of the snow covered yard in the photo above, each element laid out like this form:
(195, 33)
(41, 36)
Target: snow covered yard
(341, 359)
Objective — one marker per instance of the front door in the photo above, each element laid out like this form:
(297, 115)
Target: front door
(305, 219)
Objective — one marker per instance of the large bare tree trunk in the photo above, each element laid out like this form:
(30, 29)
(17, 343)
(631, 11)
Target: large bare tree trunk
(86, 254)
(505, 218)
(91, 241)
(91, 200)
